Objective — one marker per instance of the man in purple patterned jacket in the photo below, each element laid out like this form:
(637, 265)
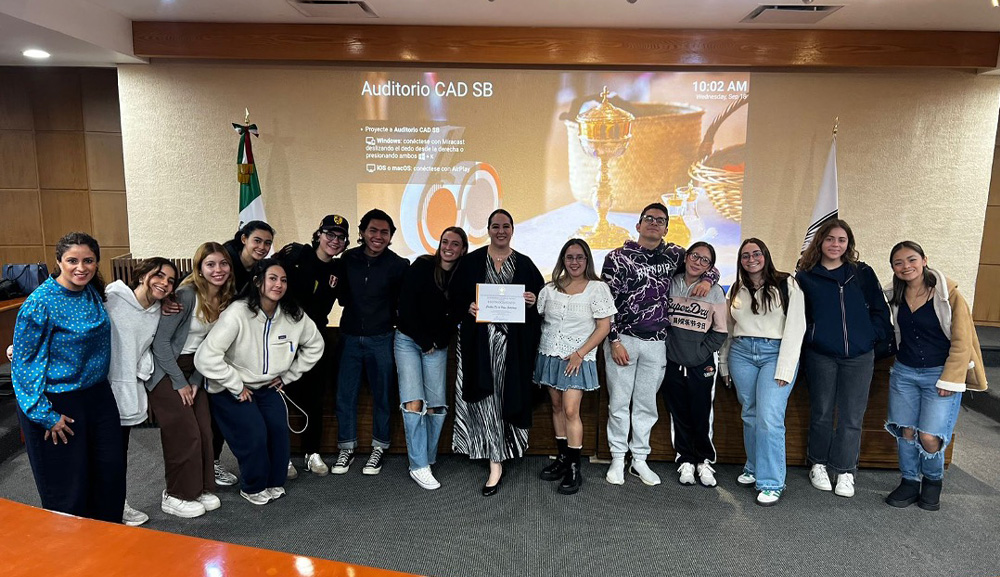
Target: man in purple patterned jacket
(639, 275)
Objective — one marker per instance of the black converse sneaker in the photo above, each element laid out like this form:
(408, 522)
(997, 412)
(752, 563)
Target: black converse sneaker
(344, 460)
(374, 464)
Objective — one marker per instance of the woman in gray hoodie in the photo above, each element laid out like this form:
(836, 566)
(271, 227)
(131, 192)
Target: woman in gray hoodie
(134, 311)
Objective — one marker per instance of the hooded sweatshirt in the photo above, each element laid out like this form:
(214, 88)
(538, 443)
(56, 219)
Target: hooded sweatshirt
(132, 330)
(697, 324)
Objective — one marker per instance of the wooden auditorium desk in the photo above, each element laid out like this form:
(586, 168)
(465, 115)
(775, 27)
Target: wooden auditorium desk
(35, 542)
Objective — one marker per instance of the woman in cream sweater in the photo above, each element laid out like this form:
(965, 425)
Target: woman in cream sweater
(767, 321)
(938, 359)
(259, 344)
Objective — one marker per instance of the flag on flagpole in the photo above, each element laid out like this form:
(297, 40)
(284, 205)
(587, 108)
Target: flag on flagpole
(251, 202)
(827, 204)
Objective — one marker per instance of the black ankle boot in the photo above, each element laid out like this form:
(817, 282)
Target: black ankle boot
(930, 495)
(905, 494)
(572, 479)
(557, 469)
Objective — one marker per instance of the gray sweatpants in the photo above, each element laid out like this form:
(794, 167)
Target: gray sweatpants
(635, 384)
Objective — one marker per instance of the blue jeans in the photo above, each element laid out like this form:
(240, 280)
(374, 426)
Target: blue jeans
(422, 377)
(752, 361)
(373, 355)
(914, 404)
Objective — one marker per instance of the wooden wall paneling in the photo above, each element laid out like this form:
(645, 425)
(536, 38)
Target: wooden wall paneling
(109, 253)
(101, 111)
(65, 211)
(987, 305)
(17, 159)
(62, 160)
(22, 254)
(110, 218)
(562, 47)
(22, 223)
(56, 98)
(15, 107)
(105, 163)
(990, 253)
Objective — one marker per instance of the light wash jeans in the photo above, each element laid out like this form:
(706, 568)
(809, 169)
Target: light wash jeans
(914, 403)
(752, 361)
(422, 377)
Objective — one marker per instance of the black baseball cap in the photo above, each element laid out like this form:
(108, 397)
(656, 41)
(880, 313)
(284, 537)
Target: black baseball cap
(333, 222)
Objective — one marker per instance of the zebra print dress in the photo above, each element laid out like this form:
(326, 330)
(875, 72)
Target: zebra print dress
(480, 431)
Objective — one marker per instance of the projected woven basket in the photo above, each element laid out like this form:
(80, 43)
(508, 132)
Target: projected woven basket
(720, 172)
(664, 144)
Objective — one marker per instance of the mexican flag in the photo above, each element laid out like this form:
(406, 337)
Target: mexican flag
(251, 203)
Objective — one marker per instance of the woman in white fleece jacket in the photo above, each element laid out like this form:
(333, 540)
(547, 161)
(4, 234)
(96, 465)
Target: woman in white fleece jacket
(134, 312)
(259, 344)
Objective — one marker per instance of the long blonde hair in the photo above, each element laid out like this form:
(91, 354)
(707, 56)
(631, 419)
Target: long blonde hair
(206, 310)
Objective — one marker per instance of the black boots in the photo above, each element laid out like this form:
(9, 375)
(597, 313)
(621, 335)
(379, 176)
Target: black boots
(572, 479)
(930, 495)
(557, 469)
(905, 494)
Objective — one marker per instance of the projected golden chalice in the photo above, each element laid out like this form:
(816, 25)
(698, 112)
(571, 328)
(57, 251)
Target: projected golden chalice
(605, 131)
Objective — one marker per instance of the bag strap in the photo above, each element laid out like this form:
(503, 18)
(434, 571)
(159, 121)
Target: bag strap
(288, 421)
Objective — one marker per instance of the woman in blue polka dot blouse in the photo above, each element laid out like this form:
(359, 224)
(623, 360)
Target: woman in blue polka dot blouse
(62, 350)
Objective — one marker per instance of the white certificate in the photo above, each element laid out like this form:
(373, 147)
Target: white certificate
(500, 303)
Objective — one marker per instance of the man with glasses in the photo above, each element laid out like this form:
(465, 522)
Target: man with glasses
(314, 280)
(639, 275)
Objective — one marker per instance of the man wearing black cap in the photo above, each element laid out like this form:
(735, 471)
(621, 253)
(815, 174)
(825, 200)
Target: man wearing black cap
(374, 275)
(315, 279)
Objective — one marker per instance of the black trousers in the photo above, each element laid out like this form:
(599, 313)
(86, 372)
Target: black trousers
(85, 477)
(309, 392)
(689, 392)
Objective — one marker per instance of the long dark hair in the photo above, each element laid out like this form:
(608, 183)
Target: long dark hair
(83, 239)
(489, 221)
(251, 293)
(772, 277)
(814, 252)
(898, 284)
(151, 265)
(560, 278)
(248, 229)
(442, 276)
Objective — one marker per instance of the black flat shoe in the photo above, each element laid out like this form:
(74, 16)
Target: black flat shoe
(930, 495)
(905, 494)
(490, 491)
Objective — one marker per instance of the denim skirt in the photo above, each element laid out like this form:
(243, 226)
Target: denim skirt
(551, 371)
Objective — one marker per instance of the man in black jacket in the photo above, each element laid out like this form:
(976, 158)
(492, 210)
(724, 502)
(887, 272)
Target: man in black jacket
(374, 274)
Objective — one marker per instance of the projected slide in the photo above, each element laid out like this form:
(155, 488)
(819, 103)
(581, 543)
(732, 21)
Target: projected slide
(445, 148)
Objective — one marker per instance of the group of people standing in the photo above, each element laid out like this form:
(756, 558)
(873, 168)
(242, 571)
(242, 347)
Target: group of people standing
(213, 356)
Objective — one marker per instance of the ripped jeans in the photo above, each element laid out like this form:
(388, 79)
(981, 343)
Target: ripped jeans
(422, 377)
(914, 404)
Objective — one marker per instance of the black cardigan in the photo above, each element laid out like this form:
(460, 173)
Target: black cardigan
(424, 314)
(522, 339)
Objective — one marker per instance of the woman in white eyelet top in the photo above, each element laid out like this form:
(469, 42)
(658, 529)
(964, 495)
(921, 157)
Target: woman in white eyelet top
(576, 309)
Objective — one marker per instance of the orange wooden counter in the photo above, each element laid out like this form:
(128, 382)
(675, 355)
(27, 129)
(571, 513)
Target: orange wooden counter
(35, 542)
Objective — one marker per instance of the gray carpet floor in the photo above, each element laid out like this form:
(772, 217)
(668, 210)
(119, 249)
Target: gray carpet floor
(529, 530)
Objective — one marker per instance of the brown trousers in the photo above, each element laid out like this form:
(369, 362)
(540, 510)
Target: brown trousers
(186, 436)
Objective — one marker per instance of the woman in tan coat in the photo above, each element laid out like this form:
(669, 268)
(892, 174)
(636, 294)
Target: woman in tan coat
(938, 359)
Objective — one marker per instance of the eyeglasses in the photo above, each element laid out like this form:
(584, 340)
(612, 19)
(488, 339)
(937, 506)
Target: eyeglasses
(657, 220)
(575, 258)
(752, 255)
(694, 257)
(335, 236)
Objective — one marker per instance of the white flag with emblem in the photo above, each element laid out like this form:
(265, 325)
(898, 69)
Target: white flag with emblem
(827, 204)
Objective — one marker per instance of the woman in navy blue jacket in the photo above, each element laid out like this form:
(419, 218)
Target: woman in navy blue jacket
(846, 316)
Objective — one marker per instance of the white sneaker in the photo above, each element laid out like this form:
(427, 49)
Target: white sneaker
(640, 469)
(686, 471)
(845, 485)
(819, 478)
(706, 474)
(132, 517)
(747, 479)
(261, 498)
(766, 498)
(181, 508)
(293, 473)
(222, 476)
(209, 501)
(425, 478)
(616, 472)
(315, 464)
(276, 492)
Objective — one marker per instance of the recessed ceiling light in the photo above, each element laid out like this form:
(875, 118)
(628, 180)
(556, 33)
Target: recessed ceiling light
(36, 53)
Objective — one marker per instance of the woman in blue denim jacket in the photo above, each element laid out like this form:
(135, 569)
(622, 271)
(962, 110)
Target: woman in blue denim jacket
(847, 315)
